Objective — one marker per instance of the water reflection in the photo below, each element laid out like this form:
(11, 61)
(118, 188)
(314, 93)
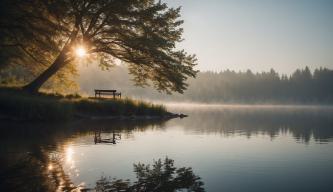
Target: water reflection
(32, 156)
(35, 171)
(98, 138)
(235, 149)
(31, 174)
(302, 123)
(161, 176)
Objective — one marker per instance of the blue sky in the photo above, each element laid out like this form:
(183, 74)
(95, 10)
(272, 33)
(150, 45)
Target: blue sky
(258, 34)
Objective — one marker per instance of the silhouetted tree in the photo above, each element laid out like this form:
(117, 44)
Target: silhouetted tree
(142, 33)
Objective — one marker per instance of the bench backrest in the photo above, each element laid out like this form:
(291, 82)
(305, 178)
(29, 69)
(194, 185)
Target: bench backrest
(104, 90)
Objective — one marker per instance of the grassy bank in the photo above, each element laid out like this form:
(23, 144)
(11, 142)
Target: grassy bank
(16, 104)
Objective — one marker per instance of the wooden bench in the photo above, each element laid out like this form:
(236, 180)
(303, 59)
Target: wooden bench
(114, 93)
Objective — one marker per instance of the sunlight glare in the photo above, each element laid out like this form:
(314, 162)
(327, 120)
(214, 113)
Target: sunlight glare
(80, 51)
(69, 154)
(50, 167)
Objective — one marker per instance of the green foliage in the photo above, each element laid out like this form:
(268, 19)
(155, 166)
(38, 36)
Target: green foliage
(29, 36)
(143, 33)
(18, 76)
(54, 107)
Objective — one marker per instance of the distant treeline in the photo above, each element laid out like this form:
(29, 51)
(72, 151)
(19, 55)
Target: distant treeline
(230, 86)
(302, 86)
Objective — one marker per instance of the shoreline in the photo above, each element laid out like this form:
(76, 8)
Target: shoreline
(19, 105)
(96, 117)
(131, 117)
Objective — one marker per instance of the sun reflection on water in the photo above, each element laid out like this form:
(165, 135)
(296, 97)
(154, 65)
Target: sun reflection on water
(69, 161)
(69, 154)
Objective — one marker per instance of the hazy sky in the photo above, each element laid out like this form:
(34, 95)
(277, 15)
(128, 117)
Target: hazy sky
(258, 34)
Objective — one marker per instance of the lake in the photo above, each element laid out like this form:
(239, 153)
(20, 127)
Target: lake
(230, 147)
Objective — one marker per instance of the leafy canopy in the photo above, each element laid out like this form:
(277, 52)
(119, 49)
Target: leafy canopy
(142, 33)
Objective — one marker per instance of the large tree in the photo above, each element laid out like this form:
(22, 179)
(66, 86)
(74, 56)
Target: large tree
(142, 33)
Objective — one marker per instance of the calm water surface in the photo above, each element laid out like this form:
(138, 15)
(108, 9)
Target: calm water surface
(232, 148)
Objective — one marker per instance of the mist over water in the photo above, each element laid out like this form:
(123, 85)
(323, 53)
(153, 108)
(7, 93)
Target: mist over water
(304, 123)
(231, 147)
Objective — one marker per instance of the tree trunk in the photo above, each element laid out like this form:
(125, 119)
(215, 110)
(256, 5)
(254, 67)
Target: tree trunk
(58, 63)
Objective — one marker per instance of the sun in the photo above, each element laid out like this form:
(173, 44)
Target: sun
(80, 51)
(50, 167)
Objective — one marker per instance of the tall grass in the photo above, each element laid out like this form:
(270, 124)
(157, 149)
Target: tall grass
(126, 107)
(17, 104)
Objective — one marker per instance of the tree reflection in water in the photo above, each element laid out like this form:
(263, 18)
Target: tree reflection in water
(162, 176)
(35, 165)
(35, 171)
(29, 158)
(28, 152)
